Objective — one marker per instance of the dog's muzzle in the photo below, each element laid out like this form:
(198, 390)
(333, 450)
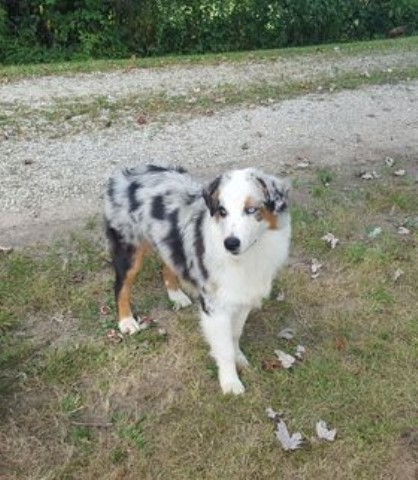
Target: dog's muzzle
(232, 244)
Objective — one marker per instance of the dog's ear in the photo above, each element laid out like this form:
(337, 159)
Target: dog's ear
(276, 191)
(211, 195)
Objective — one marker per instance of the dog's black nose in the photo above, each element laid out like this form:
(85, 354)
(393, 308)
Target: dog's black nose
(232, 244)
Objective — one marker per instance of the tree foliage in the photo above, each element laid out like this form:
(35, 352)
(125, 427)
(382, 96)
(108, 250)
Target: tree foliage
(48, 30)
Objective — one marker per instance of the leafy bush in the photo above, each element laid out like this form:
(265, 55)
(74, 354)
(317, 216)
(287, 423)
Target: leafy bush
(48, 30)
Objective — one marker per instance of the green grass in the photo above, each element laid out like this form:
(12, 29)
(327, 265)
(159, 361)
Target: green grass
(150, 407)
(8, 73)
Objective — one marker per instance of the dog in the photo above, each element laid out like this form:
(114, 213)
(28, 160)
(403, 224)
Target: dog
(227, 240)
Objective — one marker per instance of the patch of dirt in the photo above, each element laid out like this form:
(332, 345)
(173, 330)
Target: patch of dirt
(405, 465)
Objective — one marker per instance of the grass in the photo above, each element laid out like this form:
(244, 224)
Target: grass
(75, 405)
(13, 72)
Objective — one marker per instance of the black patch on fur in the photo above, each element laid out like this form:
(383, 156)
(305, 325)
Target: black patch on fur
(134, 203)
(203, 305)
(127, 172)
(174, 241)
(111, 189)
(157, 169)
(158, 208)
(122, 255)
(208, 195)
(192, 198)
(200, 246)
(274, 199)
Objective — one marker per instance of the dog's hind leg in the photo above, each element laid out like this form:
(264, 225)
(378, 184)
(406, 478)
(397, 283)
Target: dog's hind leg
(175, 294)
(127, 261)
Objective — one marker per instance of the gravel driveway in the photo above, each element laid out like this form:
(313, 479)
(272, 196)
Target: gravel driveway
(48, 185)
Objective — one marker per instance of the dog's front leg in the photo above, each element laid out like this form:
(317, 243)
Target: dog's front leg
(238, 321)
(217, 329)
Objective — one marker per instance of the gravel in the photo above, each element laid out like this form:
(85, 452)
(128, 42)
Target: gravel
(49, 185)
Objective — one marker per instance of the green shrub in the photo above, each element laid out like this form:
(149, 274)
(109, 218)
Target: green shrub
(49, 30)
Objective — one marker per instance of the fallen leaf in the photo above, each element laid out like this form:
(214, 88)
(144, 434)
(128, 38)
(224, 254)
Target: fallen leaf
(281, 297)
(145, 322)
(287, 333)
(162, 332)
(315, 268)
(399, 173)
(285, 359)
(6, 249)
(403, 231)
(390, 162)
(141, 120)
(273, 415)
(331, 239)
(323, 432)
(114, 336)
(340, 344)
(104, 310)
(300, 352)
(287, 441)
(375, 232)
(271, 365)
(370, 175)
(397, 274)
(304, 164)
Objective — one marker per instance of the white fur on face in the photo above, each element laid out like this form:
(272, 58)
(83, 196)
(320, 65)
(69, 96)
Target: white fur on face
(233, 196)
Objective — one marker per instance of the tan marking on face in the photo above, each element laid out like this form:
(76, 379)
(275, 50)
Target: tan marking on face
(270, 218)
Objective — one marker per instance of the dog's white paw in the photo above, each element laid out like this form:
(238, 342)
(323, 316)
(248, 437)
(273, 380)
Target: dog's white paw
(179, 298)
(241, 360)
(129, 325)
(232, 386)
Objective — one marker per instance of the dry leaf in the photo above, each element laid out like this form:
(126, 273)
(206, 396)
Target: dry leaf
(273, 415)
(142, 120)
(375, 232)
(271, 365)
(104, 310)
(389, 161)
(287, 333)
(331, 239)
(370, 176)
(285, 359)
(288, 442)
(403, 231)
(300, 352)
(315, 268)
(397, 274)
(6, 249)
(400, 173)
(145, 322)
(114, 336)
(303, 165)
(340, 344)
(323, 432)
(281, 297)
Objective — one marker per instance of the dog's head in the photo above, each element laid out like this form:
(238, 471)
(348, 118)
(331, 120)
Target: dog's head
(245, 204)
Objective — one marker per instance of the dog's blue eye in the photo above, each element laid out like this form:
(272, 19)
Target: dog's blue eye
(250, 210)
(222, 211)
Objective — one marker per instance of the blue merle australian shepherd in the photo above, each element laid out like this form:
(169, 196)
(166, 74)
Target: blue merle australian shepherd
(227, 240)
